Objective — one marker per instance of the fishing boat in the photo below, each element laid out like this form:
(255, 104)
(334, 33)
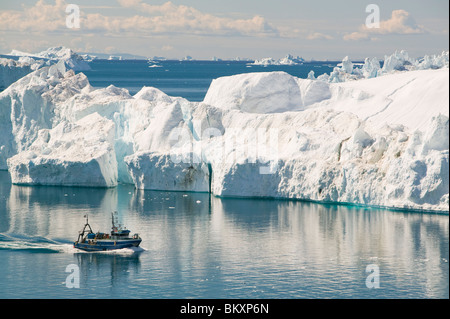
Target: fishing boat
(118, 238)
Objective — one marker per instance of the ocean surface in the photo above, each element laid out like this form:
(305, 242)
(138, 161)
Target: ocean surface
(200, 246)
(188, 79)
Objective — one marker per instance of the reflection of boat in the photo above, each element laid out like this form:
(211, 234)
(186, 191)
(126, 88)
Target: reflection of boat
(118, 238)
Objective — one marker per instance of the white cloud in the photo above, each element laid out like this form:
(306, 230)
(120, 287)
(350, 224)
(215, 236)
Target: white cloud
(41, 17)
(129, 3)
(355, 36)
(401, 22)
(171, 18)
(167, 18)
(319, 36)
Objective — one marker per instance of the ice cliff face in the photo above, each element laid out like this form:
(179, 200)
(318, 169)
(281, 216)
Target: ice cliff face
(69, 154)
(11, 71)
(379, 141)
(159, 171)
(334, 156)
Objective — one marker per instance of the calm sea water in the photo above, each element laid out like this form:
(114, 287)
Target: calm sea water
(188, 79)
(199, 246)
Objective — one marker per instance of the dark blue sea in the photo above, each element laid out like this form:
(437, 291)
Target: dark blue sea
(188, 79)
(200, 246)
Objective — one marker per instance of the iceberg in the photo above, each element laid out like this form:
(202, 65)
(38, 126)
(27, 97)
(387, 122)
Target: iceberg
(265, 92)
(374, 140)
(26, 106)
(52, 95)
(88, 57)
(371, 68)
(287, 60)
(397, 62)
(11, 71)
(161, 171)
(54, 54)
(347, 65)
(433, 62)
(327, 154)
(69, 155)
(115, 58)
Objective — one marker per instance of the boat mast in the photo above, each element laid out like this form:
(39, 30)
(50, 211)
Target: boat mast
(83, 231)
(87, 224)
(114, 227)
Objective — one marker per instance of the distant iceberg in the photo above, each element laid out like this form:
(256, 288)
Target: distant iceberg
(115, 58)
(88, 57)
(54, 54)
(153, 63)
(359, 139)
(287, 60)
(399, 61)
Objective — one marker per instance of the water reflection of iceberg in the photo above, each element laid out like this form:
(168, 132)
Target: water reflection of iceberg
(200, 245)
(45, 210)
(307, 243)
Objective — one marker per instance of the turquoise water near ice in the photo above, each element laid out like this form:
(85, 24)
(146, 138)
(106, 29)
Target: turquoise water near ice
(200, 246)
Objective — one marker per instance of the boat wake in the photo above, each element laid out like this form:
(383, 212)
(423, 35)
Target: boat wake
(42, 245)
(31, 244)
(122, 252)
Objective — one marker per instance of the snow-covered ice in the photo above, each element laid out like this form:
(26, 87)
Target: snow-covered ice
(11, 70)
(54, 54)
(368, 137)
(265, 92)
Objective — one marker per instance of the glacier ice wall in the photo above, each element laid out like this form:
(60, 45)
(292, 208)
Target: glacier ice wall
(11, 71)
(70, 155)
(379, 141)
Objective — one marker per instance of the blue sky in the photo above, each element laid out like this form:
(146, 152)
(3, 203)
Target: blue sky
(226, 29)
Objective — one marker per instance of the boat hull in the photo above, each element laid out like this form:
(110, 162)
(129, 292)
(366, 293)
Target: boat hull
(104, 245)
